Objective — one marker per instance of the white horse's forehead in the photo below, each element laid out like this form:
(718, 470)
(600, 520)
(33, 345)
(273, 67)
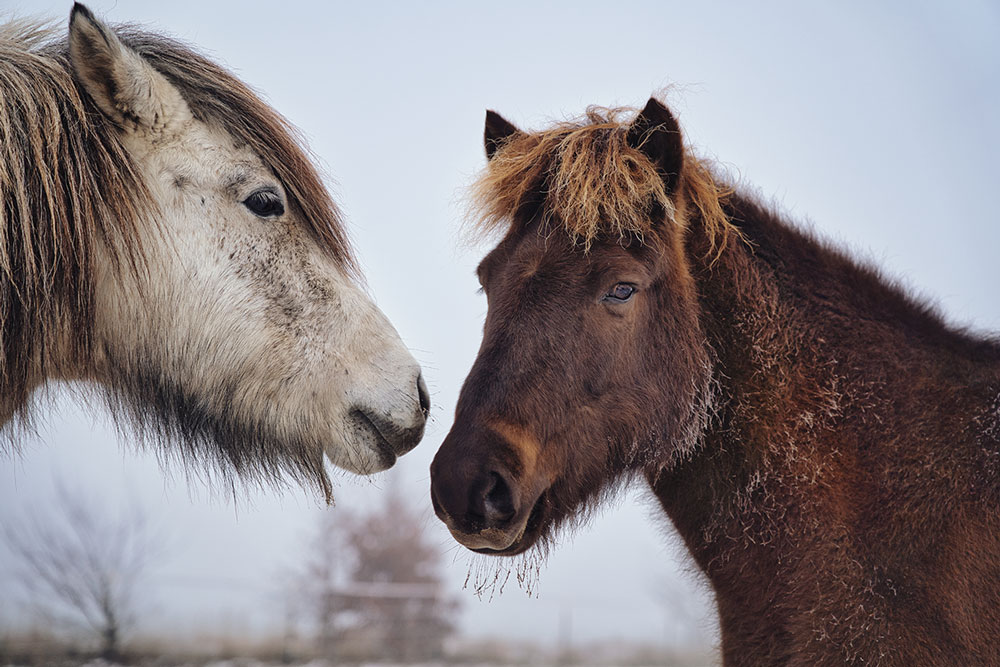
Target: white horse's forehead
(241, 176)
(204, 153)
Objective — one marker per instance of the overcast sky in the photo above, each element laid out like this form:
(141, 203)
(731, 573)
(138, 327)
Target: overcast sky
(874, 122)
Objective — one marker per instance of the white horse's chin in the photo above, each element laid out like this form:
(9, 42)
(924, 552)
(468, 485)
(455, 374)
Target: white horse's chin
(361, 458)
(361, 450)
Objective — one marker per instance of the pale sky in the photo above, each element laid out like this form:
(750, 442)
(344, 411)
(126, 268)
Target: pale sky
(876, 123)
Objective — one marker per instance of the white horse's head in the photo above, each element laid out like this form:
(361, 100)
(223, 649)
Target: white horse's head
(242, 332)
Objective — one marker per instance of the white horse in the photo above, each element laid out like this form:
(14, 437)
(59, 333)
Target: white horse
(164, 235)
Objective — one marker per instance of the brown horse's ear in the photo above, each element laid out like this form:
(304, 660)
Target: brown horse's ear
(498, 131)
(122, 84)
(656, 133)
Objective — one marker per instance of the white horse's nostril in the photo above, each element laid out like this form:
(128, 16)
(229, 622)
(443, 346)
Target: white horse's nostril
(423, 396)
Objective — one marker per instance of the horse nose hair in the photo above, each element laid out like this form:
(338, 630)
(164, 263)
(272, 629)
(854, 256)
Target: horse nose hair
(423, 396)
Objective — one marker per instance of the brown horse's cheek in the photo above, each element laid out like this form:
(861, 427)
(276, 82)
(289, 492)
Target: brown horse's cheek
(595, 387)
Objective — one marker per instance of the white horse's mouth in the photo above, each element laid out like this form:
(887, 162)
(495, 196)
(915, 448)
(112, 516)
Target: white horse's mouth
(384, 437)
(375, 439)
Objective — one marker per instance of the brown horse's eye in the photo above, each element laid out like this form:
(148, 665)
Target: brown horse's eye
(620, 293)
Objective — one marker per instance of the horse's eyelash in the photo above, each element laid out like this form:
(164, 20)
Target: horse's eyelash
(480, 291)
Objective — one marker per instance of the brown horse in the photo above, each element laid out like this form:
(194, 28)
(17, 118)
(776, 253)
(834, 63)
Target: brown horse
(828, 449)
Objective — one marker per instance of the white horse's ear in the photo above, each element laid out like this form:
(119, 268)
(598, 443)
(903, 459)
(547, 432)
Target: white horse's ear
(124, 86)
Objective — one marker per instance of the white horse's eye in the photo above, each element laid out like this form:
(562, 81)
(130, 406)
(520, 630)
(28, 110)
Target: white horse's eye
(265, 203)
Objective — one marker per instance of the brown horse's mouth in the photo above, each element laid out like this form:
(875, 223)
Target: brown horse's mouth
(528, 535)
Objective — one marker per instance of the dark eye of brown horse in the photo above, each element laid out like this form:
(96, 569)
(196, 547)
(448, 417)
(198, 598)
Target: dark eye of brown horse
(620, 293)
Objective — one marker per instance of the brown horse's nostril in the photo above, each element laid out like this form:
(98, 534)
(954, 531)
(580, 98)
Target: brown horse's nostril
(423, 396)
(496, 501)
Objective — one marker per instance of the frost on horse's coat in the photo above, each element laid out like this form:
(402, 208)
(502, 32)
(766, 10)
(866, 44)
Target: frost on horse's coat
(827, 447)
(166, 237)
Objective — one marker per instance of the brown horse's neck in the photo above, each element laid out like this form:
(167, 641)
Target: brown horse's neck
(846, 411)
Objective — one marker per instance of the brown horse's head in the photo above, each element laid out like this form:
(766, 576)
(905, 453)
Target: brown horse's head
(593, 364)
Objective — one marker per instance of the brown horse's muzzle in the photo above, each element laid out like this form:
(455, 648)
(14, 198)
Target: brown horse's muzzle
(487, 488)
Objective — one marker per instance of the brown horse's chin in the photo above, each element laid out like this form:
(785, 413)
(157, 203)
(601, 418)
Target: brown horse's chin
(516, 540)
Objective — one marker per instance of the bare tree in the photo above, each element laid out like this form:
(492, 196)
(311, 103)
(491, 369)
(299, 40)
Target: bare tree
(81, 567)
(316, 582)
(371, 584)
(396, 587)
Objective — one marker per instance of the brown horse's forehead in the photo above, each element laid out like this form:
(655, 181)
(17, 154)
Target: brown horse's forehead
(515, 244)
(529, 251)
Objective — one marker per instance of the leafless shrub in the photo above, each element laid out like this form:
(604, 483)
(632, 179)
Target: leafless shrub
(80, 567)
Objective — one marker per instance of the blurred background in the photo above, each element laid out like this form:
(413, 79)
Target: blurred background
(875, 123)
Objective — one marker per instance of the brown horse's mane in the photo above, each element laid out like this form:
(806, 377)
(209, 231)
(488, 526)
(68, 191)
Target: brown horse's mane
(67, 184)
(583, 176)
